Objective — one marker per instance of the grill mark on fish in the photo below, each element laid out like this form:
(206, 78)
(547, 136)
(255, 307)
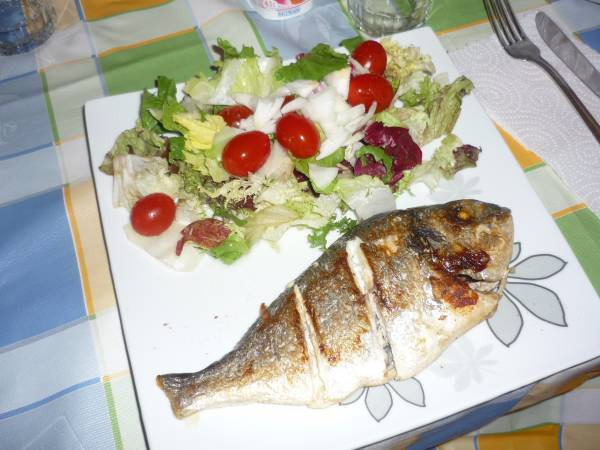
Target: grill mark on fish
(320, 307)
(310, 341)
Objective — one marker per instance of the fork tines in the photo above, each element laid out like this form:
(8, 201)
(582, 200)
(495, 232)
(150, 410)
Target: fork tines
(503, 21)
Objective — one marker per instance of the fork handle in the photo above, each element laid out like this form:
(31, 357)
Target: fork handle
(570, 93)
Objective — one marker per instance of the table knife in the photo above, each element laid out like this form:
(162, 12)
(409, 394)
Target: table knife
(560, 44)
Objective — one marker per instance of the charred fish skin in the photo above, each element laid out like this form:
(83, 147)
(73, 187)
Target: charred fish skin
(381, 302)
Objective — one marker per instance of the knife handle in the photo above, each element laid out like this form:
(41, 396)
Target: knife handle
(570, 93)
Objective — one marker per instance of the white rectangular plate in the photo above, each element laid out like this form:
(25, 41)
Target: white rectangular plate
(180, 322)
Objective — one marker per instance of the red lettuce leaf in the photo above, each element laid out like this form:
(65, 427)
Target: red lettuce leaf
(397, 142)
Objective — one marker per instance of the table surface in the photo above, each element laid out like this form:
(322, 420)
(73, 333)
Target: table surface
(63, 366)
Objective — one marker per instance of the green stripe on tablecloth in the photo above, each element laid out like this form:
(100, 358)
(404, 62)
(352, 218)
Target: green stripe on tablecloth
(113, 415)
(126, 412)
(447, 15)
(133, 68)
(49, 106)
(551, 190)
(582, 231)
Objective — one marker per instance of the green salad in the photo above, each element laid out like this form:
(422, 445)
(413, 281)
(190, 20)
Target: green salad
(260, 146)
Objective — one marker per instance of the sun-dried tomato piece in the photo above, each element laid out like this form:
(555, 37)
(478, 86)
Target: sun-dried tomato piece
(207, 233)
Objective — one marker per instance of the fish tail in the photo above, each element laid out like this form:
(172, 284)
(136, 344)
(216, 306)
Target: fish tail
(176, 386)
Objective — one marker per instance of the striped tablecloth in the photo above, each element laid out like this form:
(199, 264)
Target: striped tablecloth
(64, 378)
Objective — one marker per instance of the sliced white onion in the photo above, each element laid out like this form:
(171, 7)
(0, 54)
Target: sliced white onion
(357, 68)
(278, 166)
(248, 100)
(268, 110)
(359, 122)
(340, 81)
(332, 143)
(302, 88)
(294, 105)
(322, 176)
(356, 112)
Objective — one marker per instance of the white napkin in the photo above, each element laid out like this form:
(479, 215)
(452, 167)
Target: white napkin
(525, 101)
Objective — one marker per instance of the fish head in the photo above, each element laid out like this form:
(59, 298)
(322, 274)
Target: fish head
(467, 238)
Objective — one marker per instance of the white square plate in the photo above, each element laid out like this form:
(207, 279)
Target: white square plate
(180, 322)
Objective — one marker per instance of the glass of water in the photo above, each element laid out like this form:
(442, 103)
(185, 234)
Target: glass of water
(25, 24)
(380, 17)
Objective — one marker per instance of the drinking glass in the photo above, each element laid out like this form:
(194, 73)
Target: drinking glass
(25, 24)
(380, 17)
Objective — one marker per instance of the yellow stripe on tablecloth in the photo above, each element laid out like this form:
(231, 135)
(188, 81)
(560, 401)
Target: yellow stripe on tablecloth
(544, 437)
(526, 158)
(569, 210)
(89, 245)
(581, 437)
(101, 9)
(163, 37)
(83, 270)
(115, 376)
(462, 27)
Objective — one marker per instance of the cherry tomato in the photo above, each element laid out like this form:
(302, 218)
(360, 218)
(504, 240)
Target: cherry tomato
(298, 134)
(369, 88)
(234, 114)
(246, 153)
(372, 56)
(153, 214)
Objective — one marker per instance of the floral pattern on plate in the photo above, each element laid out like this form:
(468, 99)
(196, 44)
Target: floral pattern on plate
(379, 399)
(545, 304)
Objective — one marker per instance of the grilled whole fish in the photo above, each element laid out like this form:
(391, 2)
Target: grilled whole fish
(381, 302)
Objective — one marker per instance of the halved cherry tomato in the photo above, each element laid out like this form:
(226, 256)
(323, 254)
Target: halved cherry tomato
(369, 88)
(234, 114)
(153, 214)
(372, 56)
(298, 134)
(246, 153)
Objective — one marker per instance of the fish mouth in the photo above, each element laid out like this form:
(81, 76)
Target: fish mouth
(485, 285)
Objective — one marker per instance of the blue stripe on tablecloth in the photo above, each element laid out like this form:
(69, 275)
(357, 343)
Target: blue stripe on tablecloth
(18, 75)
(26, 151)
(324, 23)
(48, 399)
(24, 121)
(39, 276)
(78, 418)
(66, 358)
(79, 10)
(592, 37)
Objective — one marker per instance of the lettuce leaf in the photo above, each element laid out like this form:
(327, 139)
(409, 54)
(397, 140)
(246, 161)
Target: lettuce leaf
(350, 44)
(232, 249)
(139, 141)
(450, 157)
(318, 236)
(314, 65)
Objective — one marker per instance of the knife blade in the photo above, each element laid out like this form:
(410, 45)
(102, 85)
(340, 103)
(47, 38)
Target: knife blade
(568, 53)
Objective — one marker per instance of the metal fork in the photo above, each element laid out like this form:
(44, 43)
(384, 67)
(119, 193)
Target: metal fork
(517, 44)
